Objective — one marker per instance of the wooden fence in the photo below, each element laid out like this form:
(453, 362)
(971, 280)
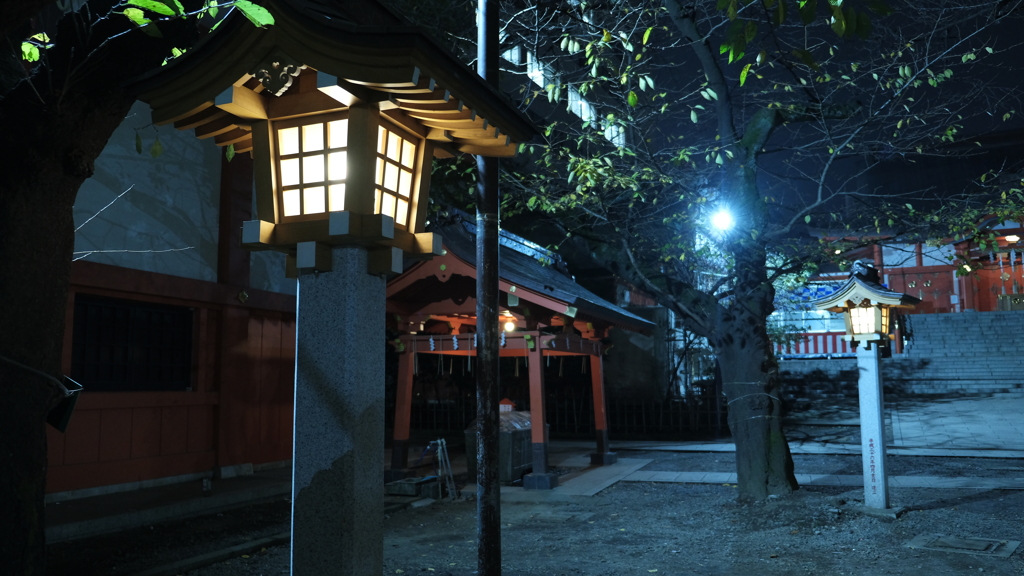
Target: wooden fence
(573, 417)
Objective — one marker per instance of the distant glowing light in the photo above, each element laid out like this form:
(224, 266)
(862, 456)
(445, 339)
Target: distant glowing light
(722, 220)
(838, 251)
(1013, 238)
(510, 326)
(967, 268)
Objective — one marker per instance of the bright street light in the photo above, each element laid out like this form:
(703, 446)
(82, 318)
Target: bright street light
(722, 220)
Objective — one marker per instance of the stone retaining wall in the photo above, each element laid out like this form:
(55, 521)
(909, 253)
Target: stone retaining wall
(970, 353)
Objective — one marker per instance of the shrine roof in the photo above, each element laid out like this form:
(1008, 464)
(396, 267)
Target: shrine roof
(525, 264)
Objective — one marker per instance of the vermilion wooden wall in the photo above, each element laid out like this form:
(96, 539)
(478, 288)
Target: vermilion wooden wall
(933, 285)
(239, 410)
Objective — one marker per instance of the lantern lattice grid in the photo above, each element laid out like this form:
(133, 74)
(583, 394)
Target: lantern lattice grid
(868, 318)
(312, 161)
(312, 164)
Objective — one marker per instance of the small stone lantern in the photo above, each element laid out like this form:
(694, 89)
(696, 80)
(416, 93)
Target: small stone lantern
(867, 309)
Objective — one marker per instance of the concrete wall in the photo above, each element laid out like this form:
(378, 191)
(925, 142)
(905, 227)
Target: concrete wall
(969, 353)
(266, 272)
(173, 203)
(168, 221)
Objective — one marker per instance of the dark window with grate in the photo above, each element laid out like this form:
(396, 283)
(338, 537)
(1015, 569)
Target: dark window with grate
(124, 345)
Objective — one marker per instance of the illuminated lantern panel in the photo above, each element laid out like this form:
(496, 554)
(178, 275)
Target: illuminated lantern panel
(312, 165)
(863, 320)
(396, 158)
(870, 320)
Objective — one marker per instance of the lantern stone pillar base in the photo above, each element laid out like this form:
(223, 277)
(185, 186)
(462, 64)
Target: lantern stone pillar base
(872, 428)
(337, 488)
(887, 513)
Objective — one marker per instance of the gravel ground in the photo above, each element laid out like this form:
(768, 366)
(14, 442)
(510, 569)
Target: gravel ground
(645, 528)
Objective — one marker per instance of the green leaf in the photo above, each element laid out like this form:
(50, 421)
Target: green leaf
(138, 143)
(750, 30)
(29, 52)
(808, 11)
(632, 99)
(806, 58)
(879, 7)
(864, 25)
(807, 219)
(838, 21)
(136, 16)
(213, 9)
(743, 74)
(156, 149)
(229, 152)
(152, 31)
(258, 15)
(153, 6)
(647, 35)
(693, 116)
(780, 14)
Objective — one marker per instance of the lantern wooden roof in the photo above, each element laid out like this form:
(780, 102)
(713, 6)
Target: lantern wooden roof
(241, 73)
(863, 285)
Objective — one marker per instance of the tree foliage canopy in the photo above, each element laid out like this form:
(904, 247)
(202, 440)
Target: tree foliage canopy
(777, 111)
(658, 114)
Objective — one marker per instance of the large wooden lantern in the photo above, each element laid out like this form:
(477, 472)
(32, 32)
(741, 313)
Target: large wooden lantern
(866, 305)
(343, 122)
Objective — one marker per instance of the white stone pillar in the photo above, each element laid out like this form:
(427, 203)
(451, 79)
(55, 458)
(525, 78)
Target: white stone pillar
(338, 449)
(872, 426)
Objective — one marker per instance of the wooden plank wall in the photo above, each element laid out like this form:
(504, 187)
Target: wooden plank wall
(239, 409)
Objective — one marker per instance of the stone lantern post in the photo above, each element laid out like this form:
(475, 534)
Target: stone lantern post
(867, 308)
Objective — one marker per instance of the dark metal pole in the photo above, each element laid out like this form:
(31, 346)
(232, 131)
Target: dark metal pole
(488, 504)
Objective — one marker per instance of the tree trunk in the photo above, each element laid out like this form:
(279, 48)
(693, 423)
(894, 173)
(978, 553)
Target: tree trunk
(764, 465)
(36, 240)
(54, 129)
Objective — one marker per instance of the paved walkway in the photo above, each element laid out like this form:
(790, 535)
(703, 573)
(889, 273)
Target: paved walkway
(995, 423)
(832, 480)
(992, 423)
